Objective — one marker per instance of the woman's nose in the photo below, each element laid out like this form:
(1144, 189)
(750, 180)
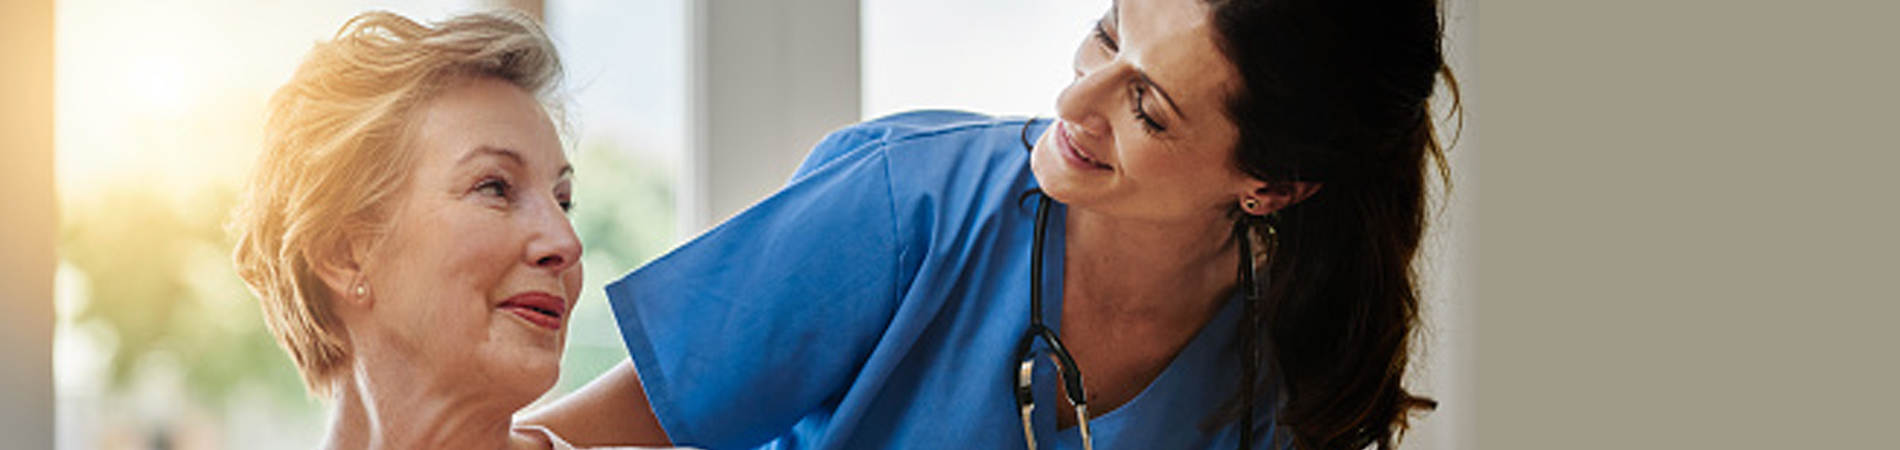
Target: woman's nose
(555, 246)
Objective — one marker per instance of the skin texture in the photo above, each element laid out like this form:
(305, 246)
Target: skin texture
(437, 358)
(1150, 253)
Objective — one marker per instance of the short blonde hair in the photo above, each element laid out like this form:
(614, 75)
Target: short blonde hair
(335, 151)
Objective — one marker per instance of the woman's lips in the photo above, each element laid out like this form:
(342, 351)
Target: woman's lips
(1074, 154)
(539, 308)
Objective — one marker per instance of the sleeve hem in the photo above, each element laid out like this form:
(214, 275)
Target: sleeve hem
(646, 364)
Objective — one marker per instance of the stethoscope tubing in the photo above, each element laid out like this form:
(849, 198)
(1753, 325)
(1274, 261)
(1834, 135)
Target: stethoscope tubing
(1071, 374)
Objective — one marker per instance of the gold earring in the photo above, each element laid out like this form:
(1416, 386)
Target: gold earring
(1249, 205)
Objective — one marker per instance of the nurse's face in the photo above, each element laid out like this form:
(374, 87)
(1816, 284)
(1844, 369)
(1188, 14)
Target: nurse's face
(1143, 130)
(474, 280)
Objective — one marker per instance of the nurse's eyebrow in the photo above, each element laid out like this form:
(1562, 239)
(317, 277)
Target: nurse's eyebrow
(1165, 98)
(1114, 13)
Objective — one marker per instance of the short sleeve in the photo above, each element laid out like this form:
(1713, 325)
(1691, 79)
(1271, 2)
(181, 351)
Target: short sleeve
(836, 146)
(865, 136)
(743, 332)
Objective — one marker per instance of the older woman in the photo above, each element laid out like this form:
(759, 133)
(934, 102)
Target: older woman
(406, 232)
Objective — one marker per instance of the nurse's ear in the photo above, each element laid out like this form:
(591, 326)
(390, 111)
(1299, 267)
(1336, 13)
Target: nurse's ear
(340, 262)
(1267, 197)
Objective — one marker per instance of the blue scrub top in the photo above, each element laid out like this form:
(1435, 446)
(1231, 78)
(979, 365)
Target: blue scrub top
(876, 303)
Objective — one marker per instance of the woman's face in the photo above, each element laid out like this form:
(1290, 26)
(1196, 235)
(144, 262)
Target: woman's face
(1143, 130)
(478, 271)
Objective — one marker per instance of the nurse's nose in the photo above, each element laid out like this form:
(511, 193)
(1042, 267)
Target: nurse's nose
(1087, 102)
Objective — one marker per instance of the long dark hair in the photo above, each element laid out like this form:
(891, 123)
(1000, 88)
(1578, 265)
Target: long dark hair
(1336, 92)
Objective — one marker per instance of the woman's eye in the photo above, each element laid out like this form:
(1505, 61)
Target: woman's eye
(493, 187)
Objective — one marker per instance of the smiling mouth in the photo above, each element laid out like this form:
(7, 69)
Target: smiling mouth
(541, 309)
(1073, 151)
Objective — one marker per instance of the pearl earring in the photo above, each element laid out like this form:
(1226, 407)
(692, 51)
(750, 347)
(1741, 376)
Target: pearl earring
(362, 290)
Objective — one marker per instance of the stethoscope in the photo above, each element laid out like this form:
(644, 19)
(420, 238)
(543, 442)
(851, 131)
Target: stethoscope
(1072, 374)
(1065, 363)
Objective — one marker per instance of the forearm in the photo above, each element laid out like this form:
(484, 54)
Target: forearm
(611, 410)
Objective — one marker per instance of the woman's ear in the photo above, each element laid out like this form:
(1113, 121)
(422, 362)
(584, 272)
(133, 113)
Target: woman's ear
(339, 263)
(1268, 197)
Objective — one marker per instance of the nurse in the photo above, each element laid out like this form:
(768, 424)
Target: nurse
(1218, 225)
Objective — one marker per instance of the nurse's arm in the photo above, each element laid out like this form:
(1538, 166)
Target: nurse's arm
(611, 410)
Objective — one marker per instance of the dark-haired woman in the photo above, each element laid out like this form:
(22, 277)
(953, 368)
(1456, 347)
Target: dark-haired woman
(1208, 247)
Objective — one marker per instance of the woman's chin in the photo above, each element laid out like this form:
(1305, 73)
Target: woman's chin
(520, 379)
(525, 361)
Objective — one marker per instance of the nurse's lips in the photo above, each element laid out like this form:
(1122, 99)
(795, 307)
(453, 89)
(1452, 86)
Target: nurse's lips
(539, 308)
(1072, 153)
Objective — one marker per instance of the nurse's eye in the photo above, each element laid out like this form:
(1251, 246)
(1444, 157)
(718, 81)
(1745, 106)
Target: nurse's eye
(1148, 122)
(1102, 36)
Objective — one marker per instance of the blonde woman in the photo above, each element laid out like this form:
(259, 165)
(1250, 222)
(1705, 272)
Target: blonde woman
(405, 230)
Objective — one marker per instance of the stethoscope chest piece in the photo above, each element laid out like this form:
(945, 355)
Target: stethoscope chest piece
(1038, 330)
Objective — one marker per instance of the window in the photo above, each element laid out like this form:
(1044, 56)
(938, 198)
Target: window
(990, 56)
(626, 69)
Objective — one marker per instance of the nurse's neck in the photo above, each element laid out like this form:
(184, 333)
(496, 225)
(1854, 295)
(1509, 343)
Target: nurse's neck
(1179, 271)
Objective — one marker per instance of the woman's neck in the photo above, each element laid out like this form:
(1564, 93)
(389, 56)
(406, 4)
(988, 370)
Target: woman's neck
(1161, 271)
(397, 410)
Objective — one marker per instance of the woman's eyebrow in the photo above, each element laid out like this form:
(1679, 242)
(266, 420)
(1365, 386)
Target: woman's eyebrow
(511, 155)
(486, 150)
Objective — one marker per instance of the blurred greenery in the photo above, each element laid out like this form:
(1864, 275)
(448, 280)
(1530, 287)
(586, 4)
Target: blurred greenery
(624, 208)
(626, 215)
(159, 277)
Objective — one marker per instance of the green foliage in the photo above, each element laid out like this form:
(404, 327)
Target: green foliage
(625, 215)
(159, 275)
(625, 209)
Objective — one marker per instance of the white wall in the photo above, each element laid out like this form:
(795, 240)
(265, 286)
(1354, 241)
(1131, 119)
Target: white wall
(1443, 367)
(770, 78)
(933, 54)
